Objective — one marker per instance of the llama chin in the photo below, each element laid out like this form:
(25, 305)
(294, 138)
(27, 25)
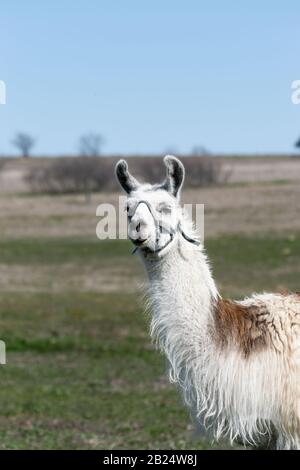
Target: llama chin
(236, 363)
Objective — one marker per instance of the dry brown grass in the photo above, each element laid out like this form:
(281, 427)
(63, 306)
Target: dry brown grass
(65, 278)
(259, 207)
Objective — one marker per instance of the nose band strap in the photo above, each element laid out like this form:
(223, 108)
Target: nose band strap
(187, 238)
(157, 227)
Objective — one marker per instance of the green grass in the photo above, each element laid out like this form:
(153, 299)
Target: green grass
(60, 250)
(80, 377)
(81, 371)
(236, 248)
(244, 264)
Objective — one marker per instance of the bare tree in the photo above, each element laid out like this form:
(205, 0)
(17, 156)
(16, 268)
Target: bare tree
(171, 150)
(24, 143)
(199, 150)
(90, 145)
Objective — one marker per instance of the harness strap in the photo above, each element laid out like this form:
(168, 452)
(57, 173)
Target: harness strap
(157, 228)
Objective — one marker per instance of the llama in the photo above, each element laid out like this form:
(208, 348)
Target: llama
(237, 363)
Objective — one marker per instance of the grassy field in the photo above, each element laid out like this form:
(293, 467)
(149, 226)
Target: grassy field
(81, 372)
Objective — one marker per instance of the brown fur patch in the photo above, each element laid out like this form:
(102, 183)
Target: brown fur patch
(287, 293)
(240, 325)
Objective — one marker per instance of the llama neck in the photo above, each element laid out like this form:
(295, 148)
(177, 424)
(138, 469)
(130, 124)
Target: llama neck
(181, 296)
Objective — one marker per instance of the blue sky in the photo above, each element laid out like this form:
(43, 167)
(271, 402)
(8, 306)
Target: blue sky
(151, 76)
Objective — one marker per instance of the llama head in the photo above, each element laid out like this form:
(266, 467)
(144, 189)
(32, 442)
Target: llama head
(154, 213)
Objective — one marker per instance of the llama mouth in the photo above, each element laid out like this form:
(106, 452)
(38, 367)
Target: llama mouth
(139, 242)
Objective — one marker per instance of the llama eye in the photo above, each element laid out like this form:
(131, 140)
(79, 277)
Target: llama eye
(164, 210)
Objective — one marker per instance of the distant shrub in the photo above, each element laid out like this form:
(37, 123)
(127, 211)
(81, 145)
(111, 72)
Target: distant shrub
(200, 170)
(70, 175)
(91, 174)
(205, 171)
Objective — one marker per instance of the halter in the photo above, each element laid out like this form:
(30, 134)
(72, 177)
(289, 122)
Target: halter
(158, 228)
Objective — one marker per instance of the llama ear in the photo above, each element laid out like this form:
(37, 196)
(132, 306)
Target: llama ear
(175, 175)
(126, 180)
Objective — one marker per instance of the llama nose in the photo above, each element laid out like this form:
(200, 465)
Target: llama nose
(141, 233)
(138, 231)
